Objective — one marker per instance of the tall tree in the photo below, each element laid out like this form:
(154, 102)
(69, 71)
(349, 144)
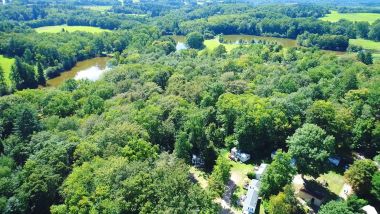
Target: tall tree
(335, 207)
(359, 176)
(195, 40)
(40, 74)
(311, 147)
(3, 84)
(219, 176)
(279, 173)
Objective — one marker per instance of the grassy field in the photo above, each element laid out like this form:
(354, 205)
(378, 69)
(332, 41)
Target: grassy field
(366, 44)
(335, 16)
(6, 64)
(211, 44)
(98, 8)
(335, 181)
(58, 28)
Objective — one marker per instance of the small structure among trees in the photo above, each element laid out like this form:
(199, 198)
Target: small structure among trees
(237, 155)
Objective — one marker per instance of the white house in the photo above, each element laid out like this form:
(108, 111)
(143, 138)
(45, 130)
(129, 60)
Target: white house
(369, 209)
(250, 202)
(261, 170)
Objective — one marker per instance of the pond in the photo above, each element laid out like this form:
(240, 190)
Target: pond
(90, 69)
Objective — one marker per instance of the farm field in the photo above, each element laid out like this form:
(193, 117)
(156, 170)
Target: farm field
(335, 16)
(58, 28)
(6, 64)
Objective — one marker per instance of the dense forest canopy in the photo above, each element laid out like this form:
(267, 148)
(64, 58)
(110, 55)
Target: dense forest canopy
(152, 134)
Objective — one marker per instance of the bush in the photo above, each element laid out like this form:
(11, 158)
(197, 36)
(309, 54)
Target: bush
(251, 175)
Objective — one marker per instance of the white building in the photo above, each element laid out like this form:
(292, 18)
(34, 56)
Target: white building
(250, 202)
(261, 170)
(369, 209)
(237, 155)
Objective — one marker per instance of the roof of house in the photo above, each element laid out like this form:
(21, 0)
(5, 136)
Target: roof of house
(252, 195)
(261, 168)
(369, 209)
(314, 194)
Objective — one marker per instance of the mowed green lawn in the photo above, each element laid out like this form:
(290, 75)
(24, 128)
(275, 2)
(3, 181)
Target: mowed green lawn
(6, 64)
(335, 16)
(366, 44)
(58, 28)
(211, 44)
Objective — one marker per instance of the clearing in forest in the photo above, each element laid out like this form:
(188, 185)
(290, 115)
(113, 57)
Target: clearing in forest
(6, 64)
(335, 16)
(58, 28)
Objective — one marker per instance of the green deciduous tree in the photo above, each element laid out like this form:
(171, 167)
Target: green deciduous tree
(219, 176)
(278, 174)
(359, 176)
(3, 84)
(284, 202)
(334, 207)
(375, 190)
(311, 147)
(195, 40)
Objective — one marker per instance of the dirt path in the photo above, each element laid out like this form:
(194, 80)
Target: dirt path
(225, 202)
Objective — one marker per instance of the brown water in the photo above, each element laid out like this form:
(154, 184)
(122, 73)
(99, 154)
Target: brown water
(90, 69)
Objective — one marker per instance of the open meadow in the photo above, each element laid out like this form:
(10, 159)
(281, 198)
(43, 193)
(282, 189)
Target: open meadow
(58, 28)
(335, 16)
(6, 64)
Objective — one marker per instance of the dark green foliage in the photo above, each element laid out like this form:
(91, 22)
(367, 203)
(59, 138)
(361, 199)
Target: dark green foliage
(3, 84)
(334, 207)
(365, 57)
(40, 75)
(376, 185)
(22, 75)
(195, 40)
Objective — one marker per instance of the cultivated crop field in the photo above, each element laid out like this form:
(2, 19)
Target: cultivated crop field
(6, 64)
(58, 28)
(335, 16)
(98, 8)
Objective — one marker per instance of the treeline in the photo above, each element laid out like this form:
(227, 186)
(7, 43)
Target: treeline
(56, 53)
(326, 42)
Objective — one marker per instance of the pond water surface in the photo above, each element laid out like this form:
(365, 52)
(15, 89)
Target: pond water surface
(90, 69)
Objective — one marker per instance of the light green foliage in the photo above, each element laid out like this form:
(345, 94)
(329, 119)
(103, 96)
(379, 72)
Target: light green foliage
(6, 63)
(284, 202)
(278, 174)
(118, 186)
(359, 176)
(219, 176)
